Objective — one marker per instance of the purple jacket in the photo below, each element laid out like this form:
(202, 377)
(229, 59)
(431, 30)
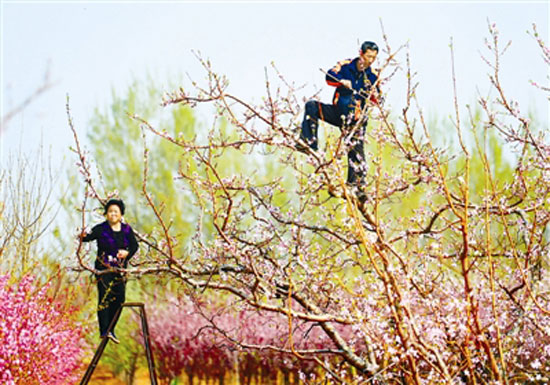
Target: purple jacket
(109, 242)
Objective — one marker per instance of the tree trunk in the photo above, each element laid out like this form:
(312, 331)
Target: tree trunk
(286, 377)
(296, 378)
(131, 372)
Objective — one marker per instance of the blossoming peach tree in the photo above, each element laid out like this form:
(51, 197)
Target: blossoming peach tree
(203, 339)
(41, 341)
(437, 265)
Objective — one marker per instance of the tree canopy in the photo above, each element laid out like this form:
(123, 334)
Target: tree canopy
(434, 274)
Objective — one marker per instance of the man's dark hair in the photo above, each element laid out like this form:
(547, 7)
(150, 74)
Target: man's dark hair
(117, 202)
(369, 45)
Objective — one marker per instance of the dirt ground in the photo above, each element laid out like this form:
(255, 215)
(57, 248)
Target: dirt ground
(103, 376)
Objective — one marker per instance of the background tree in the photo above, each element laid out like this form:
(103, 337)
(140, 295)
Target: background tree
(27, 207)
(41, 340)
(27, 211)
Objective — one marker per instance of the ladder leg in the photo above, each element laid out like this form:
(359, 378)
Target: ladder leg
(95, 360)
(148, 350)
(105, 340)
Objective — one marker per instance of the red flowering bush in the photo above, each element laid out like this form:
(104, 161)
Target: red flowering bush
(211, 343)
(40, 343)
(183, 342)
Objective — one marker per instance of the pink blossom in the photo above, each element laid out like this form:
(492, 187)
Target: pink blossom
(39, 341)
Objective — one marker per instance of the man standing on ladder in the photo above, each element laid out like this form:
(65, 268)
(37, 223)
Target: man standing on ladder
(356, 89)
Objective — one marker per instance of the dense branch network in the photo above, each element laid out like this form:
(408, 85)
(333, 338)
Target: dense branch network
(434, 276)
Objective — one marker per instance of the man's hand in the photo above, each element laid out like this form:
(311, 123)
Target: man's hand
(346, 83)
(122, 254)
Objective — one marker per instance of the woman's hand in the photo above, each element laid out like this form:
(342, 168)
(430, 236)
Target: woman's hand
(122, 254)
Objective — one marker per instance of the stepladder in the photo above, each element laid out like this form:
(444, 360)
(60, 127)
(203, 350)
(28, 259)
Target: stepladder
(146, 341)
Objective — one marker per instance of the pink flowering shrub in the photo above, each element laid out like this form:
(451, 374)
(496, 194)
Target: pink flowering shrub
(253, 328)
(182, 342)
(39, 340)
(210, 341)
(186, 340)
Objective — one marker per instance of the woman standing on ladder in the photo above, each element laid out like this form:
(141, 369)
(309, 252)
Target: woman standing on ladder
(116, 244)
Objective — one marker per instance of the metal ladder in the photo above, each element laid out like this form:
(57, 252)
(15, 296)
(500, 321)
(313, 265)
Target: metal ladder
(104, 340)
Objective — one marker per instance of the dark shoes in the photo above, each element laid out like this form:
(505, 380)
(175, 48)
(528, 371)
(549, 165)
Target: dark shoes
(309, 145)
(300, 147)
(361, 196)
(305, 148)
(356, 190)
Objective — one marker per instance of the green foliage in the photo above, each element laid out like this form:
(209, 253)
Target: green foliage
(118, 148)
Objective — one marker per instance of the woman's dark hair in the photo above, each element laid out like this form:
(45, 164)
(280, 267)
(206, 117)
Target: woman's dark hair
(369, 45)
(117, 202)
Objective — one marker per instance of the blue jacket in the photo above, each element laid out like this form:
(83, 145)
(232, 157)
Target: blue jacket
(361, 81)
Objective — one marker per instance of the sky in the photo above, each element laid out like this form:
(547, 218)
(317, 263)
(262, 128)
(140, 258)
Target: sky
(93, 48)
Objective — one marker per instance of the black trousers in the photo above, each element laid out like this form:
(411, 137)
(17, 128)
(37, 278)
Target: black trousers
(333, 114)
(112, 294)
